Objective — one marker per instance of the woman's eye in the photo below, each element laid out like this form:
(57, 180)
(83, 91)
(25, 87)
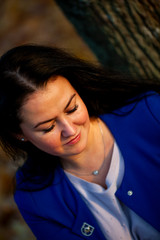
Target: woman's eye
(68, 112)
(73, 109)
(48, 129)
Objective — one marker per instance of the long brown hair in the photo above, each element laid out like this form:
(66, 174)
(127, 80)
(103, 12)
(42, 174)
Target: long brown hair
(26, 68)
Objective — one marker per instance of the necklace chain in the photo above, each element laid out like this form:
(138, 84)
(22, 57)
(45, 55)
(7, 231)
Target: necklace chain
(95, 172)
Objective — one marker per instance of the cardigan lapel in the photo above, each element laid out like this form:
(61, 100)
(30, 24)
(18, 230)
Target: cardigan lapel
(137, 134)
(84, 223)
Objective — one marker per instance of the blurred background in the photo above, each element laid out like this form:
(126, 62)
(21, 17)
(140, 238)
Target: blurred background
(31, 21)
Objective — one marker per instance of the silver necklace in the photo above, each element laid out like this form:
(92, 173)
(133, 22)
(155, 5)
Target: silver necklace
(95, 172)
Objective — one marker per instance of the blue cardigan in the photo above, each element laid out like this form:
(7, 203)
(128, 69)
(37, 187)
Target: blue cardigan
(58, 212)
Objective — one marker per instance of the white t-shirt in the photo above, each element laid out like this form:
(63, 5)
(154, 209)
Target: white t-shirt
(116, 220)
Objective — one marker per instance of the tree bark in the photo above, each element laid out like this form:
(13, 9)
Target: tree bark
(123, 34)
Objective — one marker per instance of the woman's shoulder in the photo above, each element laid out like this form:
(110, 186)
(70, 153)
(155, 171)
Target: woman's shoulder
(143, 110)
(149, 100)
(153, 105)
(28, 180)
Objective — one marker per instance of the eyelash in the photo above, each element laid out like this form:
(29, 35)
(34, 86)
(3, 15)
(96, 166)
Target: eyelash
(69, 112)
(73, 110)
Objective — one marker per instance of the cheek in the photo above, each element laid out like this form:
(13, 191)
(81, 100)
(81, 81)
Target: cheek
(49, 143)
(48, 139)
(85, 119)
(53, 140)
(42, 141)
(83, 115)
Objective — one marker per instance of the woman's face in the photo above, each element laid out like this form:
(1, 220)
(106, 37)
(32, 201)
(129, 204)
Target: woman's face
(55, 119)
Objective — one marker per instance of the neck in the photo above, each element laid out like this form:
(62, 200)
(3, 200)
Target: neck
(94, 156)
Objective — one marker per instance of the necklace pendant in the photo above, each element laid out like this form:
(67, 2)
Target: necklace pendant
(95, 173)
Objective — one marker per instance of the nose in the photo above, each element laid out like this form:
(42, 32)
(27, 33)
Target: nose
(67, 128)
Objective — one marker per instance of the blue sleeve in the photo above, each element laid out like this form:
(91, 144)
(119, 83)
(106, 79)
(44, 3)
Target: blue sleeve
(42, 228)
(153, 103)
(46, 229)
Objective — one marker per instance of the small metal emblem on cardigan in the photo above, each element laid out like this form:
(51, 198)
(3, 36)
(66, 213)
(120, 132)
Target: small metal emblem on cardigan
(87, 229)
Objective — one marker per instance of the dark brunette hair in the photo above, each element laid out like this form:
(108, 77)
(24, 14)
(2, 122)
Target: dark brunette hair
(26, 68)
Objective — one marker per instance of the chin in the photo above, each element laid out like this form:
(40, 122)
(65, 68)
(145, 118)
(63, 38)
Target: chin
(81, 146)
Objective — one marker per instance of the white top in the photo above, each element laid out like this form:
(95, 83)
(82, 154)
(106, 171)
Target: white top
(115, 219)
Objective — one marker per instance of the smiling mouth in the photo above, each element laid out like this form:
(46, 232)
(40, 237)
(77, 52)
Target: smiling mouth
(74, 140)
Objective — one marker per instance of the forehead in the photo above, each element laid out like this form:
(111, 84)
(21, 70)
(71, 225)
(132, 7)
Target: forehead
(48, 99)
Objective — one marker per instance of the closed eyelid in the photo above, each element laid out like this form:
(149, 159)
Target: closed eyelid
(52, 119)
(70, 101)
(48, 129)
(73, 109)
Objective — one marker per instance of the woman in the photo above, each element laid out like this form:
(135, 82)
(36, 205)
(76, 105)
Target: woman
(92, 143)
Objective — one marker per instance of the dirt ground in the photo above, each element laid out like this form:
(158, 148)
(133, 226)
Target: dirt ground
(31, 21)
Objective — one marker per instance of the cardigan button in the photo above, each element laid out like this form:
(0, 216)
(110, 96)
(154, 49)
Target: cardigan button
(130, 193)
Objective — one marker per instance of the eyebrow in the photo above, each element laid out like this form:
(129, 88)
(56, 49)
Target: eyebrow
(49, 120)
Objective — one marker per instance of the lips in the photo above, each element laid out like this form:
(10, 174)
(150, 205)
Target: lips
(74, 140)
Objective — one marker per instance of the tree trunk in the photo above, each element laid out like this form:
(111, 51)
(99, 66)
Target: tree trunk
(123, 34)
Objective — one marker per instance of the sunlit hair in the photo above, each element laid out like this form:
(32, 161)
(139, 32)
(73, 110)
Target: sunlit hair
(26, 68)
